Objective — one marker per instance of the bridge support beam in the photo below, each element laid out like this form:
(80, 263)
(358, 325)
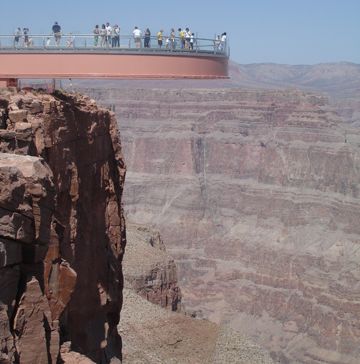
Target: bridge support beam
(127, 65)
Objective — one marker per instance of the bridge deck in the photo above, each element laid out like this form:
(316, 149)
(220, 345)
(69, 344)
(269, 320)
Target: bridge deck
(40, 61)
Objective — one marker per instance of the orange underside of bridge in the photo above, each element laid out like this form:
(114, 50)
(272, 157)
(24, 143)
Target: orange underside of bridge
(72, 65)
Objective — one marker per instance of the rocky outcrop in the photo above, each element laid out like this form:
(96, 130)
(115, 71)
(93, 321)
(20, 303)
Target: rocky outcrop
(34, 289)
(62, 228)
(257, 195)
(149, 270)
(153, 335)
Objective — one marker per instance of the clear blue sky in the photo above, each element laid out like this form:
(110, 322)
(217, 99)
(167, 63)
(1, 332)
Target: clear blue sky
(280, 31)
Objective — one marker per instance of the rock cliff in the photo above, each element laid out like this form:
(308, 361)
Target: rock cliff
(148, 269)
(62, 231)
(27, 275)
(257, 195)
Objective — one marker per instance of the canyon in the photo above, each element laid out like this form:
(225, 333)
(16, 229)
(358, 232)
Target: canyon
(62, 240)
(256, 194)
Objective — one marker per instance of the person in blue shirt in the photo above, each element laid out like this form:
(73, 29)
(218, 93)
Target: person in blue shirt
(56, 28)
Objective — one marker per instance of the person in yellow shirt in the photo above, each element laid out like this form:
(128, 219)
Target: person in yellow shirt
(160, 36)
(182, 38)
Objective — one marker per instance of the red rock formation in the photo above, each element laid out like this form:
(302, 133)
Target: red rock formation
(29, 332)
(148, 268)
(84, 233)
(257, 195)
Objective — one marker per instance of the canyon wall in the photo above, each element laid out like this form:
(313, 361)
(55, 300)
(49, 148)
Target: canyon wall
(257, 195)
(62, 231)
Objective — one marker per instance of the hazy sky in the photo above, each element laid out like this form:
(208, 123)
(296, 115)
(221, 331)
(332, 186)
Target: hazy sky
(280, 31)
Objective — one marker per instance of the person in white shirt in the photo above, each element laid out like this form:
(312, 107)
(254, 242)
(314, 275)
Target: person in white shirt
(103, 37)
(17, 37)
(223, 41)
(187, 38)
(137, 37)
(70, 41)
(108, 33)
(192, 41)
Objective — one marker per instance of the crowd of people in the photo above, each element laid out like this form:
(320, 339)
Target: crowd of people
(185, 38)
(22, 36)
(107, 36)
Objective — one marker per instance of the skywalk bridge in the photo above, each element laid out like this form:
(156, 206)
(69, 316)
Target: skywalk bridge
(39, 57)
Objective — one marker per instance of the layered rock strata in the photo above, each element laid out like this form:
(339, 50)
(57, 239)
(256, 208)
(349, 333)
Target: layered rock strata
(62, 228)
(149, 270)
(257, 195)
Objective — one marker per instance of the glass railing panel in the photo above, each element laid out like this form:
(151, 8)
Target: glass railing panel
(90, 42)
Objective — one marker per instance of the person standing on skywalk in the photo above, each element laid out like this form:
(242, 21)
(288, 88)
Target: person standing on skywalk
(56, 28)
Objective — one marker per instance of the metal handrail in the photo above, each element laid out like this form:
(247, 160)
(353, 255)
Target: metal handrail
(81, 42)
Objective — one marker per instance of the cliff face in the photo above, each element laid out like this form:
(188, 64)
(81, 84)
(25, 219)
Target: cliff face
(29, 321)
(62, 240)
(149, 270)
(257, 195)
